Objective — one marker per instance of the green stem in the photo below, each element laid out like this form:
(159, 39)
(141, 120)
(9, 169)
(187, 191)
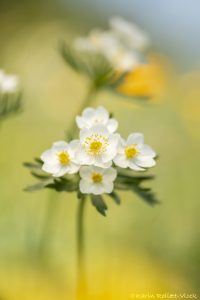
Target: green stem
(87, 101)
(81, 279)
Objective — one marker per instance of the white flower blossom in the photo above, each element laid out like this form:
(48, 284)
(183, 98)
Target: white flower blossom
(99, 116)
(121, 45)
(107, 44)
(60, 159)
(97, 41)
(8, 83)
(130, 34)
(134, 154)
(97, 146)
(95, 180)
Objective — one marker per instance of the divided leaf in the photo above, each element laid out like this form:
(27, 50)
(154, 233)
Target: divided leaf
(99, 203)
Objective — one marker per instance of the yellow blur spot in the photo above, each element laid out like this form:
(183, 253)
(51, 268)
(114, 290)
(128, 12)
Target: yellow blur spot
(146, 80)
(64, 158)
(130, 151)
(97, 177)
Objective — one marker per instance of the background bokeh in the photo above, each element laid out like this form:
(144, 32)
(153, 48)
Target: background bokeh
(136, 248)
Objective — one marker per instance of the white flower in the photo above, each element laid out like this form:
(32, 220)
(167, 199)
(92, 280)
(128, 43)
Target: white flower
(130, 34)
(97, 146)
(95, 180)
(109, 45)
(60, 159)
(134, 154)
(8, 83)
(121, 59)
(97, 41)
(99, 116)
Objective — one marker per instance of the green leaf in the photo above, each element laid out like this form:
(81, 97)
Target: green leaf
(38, 186)
(99, 203)
(31, 165)
(63, 185)
(127, 181)
(115, 197)
(146, 194)
(10, 104)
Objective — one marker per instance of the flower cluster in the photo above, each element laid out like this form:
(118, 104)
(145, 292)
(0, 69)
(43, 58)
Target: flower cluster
(98, 153)
(8, 83)
(123, 44)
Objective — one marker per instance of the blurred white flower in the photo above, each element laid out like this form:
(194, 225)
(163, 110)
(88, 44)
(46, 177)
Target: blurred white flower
(134, 154)
(99, 116)
(95, 180)
(60, 159)
(8, 83)
(97, 146)
(97, 41)
(130, 34)
(120, 45)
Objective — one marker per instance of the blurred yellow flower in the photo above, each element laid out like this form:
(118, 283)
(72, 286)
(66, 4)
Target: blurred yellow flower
(146, 80)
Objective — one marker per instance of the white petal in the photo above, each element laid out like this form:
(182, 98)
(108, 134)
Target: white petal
(99, 163)
(97, 189)
(49, 156)
(108, 187)
(135, 138)
(121, 161)
(134, 167)
(60, 145)
(112, 125)
(109, 174)
(101, 113)
(145, 162)
(85, 173)
(112, 148)
(73, 168)
(85, 187)
(81, 123)
(147, 151)
(62, 171)
(82, 157)
(51, 168)
(88, 113)
(73, 145)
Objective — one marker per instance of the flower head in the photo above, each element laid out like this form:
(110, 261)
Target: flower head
(60, 159)
(97, 146)
(95, 180)
(99, 116)
(134, 154)
(121, 45)
(8, 83)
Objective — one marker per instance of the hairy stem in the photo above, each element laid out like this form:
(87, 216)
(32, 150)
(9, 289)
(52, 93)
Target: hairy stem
(81, 278)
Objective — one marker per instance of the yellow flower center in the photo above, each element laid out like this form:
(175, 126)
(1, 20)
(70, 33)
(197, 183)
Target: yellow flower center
(96, 144)
(131, 151)
(64, 158)
(97, 177)
(95, 147)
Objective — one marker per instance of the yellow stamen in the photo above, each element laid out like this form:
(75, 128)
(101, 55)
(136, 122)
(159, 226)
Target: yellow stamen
(96, 144)
(64, 158)
(131, 151)
(97, 177)
(95, 147)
